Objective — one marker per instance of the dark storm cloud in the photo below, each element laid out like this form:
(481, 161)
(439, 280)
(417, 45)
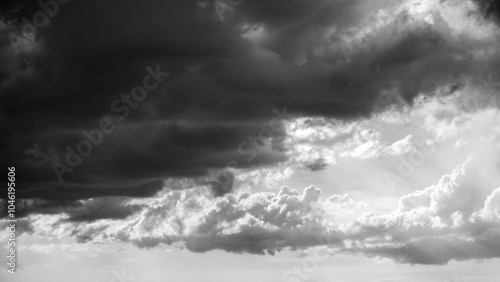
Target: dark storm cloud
(438, 251)
(88, 210)
(222, 88)
(490, 8)
(103, 208)
(38, 206)
(223, 184)
(316, 165)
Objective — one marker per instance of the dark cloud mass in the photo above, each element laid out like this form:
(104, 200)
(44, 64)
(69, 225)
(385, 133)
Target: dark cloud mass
(223, 184)
(221, 88)
(490, 8)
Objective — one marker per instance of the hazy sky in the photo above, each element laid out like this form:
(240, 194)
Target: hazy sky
(257, 140)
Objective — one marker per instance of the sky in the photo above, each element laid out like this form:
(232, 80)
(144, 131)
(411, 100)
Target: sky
(319, 140)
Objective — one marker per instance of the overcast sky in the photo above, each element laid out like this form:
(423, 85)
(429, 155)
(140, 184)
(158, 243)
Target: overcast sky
(257, 140)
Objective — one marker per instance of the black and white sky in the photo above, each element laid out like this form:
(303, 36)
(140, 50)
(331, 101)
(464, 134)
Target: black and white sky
(214, 140)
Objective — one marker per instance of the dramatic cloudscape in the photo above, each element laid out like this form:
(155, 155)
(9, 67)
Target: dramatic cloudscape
(256, 140)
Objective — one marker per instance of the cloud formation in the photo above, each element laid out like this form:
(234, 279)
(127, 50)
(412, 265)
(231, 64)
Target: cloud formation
(225, 79)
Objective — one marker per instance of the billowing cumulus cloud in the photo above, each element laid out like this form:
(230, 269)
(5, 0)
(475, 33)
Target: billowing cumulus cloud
(452, 220)
(455, 219)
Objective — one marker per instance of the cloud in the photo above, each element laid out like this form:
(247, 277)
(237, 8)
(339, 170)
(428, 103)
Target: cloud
(104, 208)
(223, 184)
(256, 223)
(489, 8)
(439, 251)
(77, 210)
(452, 220)
(491, 210)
